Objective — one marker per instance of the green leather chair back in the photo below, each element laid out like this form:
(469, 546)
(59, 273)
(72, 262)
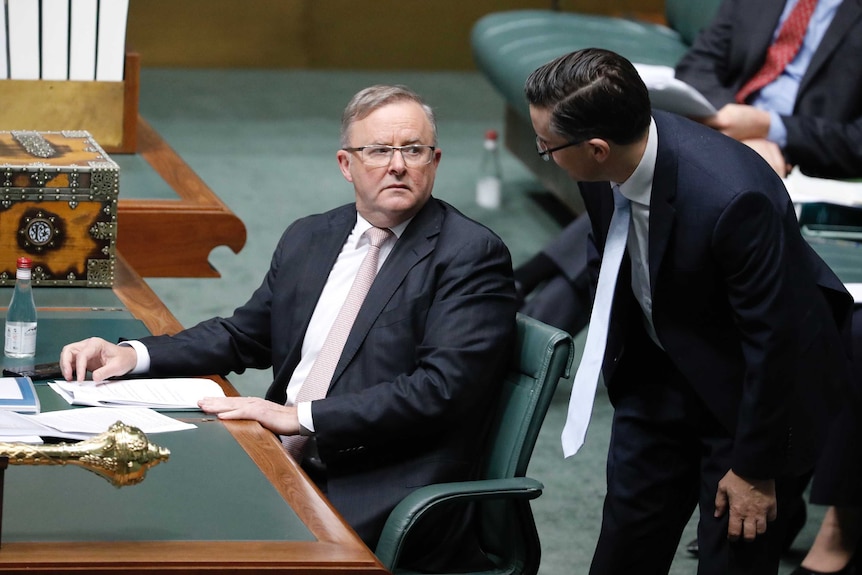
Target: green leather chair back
(505, 526)
(543, 354)
(688, 17)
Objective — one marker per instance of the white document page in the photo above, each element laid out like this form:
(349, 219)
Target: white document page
(23, 33)
(9, 388)
(55, 39)
(666, 92)
(4, 64)
(82, 423)
(856, 291)
(168, 393)
(82, 40)
(17, 428)
(95, 420)
(804, 189)
(112, 40)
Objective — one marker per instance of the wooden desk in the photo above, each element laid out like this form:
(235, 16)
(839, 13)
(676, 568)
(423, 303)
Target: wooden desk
(328, 546)
(173, 237)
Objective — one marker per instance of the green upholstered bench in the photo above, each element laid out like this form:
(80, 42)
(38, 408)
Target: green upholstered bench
(508, 46)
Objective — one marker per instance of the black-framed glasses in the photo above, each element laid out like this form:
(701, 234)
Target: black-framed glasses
(377, 156)
(545, 152)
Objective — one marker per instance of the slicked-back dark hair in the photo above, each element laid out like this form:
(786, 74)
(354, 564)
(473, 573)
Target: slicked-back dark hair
(592, 93)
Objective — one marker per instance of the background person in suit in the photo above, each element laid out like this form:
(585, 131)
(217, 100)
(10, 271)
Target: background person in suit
(725, 350)
(409, 400)
(810, 116)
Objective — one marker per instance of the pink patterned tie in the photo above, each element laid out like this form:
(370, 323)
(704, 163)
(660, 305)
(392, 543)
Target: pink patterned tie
(783, 49)
(317, 383)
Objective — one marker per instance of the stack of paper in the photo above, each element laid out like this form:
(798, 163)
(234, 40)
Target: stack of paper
(666, 92)
(170, 393)
(82, 423)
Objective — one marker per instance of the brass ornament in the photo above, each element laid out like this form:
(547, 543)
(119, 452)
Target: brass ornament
(121, 455)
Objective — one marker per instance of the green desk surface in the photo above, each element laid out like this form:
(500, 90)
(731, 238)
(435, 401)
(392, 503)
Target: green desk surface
(57, 328)
(209, 490)
(844, 257)
(68, 297)
(139, 181)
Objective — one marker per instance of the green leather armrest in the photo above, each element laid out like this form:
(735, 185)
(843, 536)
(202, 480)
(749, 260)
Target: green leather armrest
(413, 507)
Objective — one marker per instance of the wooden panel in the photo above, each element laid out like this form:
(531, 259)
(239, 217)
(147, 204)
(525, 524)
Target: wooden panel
(386, 34)
(102, 108)
(218, 33)
(173, 238)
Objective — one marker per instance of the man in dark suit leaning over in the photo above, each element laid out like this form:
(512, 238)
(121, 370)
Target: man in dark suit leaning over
(410, 395)
(725, 349)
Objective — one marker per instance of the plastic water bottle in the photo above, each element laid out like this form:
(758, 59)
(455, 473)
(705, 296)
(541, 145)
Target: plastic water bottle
(21, 315)
(488, 187)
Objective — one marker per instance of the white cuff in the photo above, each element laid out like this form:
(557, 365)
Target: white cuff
(303, 411)
(143, 356)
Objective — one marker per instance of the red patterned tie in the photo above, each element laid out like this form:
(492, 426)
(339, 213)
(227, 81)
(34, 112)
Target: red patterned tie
(782, 51)
(316, 384)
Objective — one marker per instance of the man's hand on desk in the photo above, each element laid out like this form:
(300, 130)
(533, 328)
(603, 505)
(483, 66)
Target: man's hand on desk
(103, 358)
(280, 419)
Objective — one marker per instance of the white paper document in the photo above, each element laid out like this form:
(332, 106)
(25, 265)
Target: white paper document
(668, 93)
(855, 291)
(806, 189)
(168, 393)
(85, 422)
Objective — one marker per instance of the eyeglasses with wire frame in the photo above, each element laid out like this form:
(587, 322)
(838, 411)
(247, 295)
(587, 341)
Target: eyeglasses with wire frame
(545, 152)
(377, 156)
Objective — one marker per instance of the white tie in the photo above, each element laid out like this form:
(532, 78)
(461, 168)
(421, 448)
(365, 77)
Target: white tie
(317, 382)
(587, 376)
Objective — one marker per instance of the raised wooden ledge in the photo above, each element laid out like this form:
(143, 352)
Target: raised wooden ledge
(173, 238)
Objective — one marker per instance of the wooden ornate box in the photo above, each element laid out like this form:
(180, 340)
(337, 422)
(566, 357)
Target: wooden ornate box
(58, 205)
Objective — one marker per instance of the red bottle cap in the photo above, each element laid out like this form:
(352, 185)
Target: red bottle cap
(25, 263)
(491, 135)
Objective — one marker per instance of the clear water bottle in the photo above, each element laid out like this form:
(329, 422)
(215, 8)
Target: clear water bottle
(488, 187)
(21, 315)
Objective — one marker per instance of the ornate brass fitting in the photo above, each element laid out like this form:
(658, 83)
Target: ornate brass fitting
(122, 454)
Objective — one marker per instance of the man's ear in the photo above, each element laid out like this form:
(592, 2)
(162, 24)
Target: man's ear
(343, 158)
(599, 148)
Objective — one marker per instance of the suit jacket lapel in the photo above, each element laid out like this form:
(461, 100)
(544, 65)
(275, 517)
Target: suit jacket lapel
(417, 241)
(662, 212)
(761, 29)
(845, 18)
(324, 246)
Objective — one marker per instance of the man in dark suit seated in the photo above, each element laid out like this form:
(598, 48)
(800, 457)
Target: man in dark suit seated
(406, 402)
(810, 116)
(725, 351)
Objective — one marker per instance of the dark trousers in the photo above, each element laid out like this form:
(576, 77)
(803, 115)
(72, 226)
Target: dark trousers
(667, 455)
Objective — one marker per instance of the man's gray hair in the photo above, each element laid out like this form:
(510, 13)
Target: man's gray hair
(372, 98)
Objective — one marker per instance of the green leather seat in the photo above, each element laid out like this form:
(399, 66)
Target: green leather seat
(507, 531)
(508, 46)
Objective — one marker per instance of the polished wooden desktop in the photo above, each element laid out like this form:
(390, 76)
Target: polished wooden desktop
(315, 538)
(170, 235)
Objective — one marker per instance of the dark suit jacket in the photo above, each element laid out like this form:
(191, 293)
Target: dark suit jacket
(743, 307)
(824, 133)
(409, 398)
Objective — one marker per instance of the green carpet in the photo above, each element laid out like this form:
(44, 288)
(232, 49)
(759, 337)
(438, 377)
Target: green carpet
(265, 142)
